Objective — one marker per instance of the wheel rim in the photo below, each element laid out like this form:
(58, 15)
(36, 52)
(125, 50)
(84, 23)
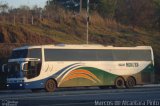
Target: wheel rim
(50, 86)
(131, 82)
(119, 83)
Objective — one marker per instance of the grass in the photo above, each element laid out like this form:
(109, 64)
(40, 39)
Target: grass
(67, 28)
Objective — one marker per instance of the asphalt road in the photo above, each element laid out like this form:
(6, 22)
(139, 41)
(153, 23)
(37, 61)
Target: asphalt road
(83, 97)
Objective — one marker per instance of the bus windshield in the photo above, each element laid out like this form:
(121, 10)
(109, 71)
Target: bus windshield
(27, 53)
(13, 70)
(19, 54)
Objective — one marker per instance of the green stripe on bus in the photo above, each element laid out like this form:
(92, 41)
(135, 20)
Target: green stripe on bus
(104, 77)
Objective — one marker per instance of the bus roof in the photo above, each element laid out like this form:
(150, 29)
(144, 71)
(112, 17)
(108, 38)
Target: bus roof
(82, 46)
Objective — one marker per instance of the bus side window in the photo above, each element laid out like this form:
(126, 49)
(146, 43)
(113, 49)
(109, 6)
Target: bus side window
(34, 68)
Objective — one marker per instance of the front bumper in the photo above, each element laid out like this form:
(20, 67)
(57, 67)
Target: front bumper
(15, 86)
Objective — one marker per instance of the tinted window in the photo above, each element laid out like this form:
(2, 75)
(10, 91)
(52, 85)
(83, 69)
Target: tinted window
(70, 55)
(119, 55)
(19, 54)
(140, 55)
(34, 68)
(13, 70)
(27, 53)
(35, 53)
(96, 55)
(131, 55)
(104, 55)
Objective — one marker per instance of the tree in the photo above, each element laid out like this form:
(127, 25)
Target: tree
(107, 8)
(73, 5)
(157, 13)
(4, 8)
(135, 12)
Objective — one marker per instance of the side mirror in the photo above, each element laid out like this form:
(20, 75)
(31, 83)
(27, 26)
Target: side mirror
(4, 67)
(25, 66)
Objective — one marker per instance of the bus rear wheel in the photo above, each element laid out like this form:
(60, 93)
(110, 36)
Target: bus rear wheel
(50, 85)
(131, 82)
(119, 83)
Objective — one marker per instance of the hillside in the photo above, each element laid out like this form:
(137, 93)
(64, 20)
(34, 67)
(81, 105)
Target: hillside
(71, 29)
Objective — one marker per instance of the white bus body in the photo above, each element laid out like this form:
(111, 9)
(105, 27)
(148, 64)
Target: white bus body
(51, 66)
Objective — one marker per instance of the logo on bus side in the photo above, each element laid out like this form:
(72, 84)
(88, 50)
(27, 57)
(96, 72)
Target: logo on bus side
(129, 64)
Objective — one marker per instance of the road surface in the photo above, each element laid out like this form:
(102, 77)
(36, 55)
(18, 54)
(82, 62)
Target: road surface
(83, 97)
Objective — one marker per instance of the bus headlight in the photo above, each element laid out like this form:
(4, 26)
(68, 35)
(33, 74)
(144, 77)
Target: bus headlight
(20, 85)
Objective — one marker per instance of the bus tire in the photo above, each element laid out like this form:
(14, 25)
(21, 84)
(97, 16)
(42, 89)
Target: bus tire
(50, 85)
(131, 82)
(119, 83)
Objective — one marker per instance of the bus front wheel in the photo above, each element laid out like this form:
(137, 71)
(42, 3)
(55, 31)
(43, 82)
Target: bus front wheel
(50, 85)
(119, 83)
(131, 82)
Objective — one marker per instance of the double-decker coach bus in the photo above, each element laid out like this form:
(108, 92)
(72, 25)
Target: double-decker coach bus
(53, 66)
